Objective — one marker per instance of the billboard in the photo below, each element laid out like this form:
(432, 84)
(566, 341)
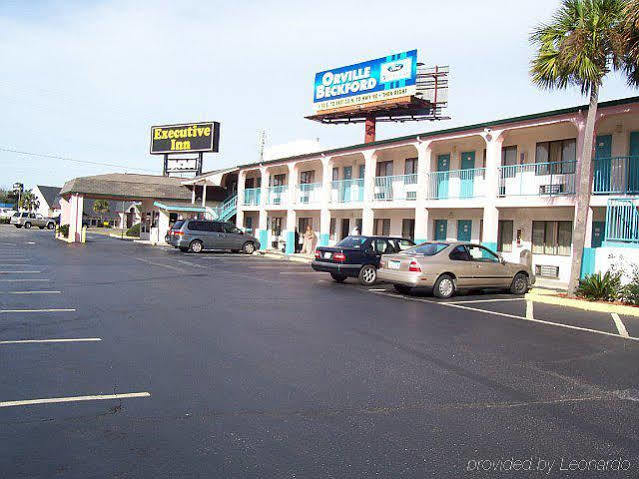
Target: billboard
(375, 80)
(185, 138)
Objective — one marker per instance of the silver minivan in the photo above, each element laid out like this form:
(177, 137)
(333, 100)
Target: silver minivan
(199, 235)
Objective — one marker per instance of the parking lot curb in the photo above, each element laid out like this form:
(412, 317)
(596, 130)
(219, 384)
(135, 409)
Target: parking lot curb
(551, 298)
(287, 258)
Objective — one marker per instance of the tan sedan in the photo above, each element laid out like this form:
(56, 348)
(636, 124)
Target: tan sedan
(447, 267)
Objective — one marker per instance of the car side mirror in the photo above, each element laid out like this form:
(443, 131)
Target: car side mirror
(369, 251)
(502, 260)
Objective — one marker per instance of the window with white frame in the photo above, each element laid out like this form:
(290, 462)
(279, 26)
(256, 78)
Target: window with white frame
(381, 226)
(505, 236)
(561, 154)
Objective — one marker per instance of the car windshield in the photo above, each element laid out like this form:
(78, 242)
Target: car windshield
(426, 249)
(177, 225)
(352, 242)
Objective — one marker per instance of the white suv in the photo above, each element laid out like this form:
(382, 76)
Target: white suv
(6, 213)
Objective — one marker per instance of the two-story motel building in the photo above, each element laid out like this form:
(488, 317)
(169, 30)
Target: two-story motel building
(509, 184)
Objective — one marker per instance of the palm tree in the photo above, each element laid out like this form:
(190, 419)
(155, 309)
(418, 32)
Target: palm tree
(631, 34)
(101, 207)
(585, 40)
(28, 201)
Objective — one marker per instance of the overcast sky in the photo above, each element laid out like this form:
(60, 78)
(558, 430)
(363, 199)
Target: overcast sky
(85, 80)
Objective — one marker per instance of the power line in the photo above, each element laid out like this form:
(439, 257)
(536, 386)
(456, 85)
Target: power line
(28, 153)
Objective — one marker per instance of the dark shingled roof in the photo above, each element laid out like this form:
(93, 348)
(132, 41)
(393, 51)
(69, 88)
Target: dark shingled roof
(128, 186)
(50, 193)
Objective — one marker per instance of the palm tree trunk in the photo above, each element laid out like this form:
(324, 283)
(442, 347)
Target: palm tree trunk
(583, 193)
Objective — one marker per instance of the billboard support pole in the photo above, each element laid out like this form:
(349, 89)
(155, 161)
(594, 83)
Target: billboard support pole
(200, 160)
(166, 165)
(369, 130)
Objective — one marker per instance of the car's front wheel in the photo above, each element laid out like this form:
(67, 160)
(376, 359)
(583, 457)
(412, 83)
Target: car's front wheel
(368, 275)
(248, 248)
(27, 225)
(196, 246)
(340, 278)
(18, 226)
(444, 287)
(50, 226)
(519, 284)
(402, 288)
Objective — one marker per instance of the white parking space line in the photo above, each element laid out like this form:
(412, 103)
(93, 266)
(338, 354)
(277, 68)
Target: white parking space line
(190, 264)
(162, 265)
(620, 326)
(301, 272)
(377, 289)
(21, 280)
(48, 310)
(19, 272)
(506, 315)
(30, 292)
(46, 341)
(491, 300)
(529, 310)
(100, 397)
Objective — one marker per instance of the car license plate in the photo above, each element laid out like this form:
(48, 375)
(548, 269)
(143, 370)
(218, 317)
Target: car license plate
(327, 255)
(393, 264)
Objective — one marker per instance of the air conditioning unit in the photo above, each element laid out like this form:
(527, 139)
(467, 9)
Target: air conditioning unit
(547, 271)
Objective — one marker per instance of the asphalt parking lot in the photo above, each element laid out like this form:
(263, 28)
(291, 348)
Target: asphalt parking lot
(122, 360)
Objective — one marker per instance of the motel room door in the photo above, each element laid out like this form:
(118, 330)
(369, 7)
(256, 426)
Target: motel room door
(603, 164)
(443, 165)
(464, 229)
(467, 174)
(441, 227)
(633, 164)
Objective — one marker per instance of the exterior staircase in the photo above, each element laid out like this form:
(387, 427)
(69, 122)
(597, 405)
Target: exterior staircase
(224, 211)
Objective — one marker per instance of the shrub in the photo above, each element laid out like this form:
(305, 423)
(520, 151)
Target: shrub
(133, 230)
(598, 287)
(5, 221)
(630, 292)
(64, 230)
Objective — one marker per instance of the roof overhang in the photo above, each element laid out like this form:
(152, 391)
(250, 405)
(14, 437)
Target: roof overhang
(187, 208)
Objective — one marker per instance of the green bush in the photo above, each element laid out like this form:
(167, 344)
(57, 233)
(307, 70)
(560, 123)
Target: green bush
(133, 230)
(4, 221)
(64, 230)
(602, 288)
(630, 292)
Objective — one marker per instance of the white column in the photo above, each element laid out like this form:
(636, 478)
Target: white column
(293, 180)
(193, 194)
(204, 194)
(163, 225)
(494, 140)
(422, 228)
(370, 161)
(75, 220)
(325, 212)
(241, 183)
(261, 231)
(289, 234)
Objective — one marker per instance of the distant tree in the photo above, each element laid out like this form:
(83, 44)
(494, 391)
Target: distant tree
(585, 40)
(101, 207)
(29, 201)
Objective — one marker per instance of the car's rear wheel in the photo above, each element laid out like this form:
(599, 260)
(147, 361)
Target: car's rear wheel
(196, 246)
(519, 284)
(27, 225)
(50, 226)
(41, 227)
(340, 278)
(248, 248)
(402, 288)
(444, 287)
(368, 275)
(18, 226)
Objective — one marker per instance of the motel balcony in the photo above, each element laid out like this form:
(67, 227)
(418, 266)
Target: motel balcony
(455, 184)
(622, 221)
(347, 191)
(618, 175)
(308, 193)
(537, 179)
(252, 196)
(395, 188)
(276, 195)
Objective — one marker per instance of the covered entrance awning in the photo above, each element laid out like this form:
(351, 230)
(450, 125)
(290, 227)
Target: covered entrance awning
(177, 208)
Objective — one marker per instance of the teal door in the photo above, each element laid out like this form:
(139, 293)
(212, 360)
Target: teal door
(441, 227)
(598, 228)
(603, 152)
(467, 174)
(348, 175)
(443, 166)
(464, 228)
(632, 172)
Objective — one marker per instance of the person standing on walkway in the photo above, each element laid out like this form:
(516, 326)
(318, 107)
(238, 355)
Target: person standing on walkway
(309, 240)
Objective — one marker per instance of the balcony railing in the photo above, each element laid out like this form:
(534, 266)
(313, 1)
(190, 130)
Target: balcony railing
(308, 193)
(537, 179)
(618, 175)
(395, 188)
(276, 195)
(622, 220)
(347, 191)
(468, 183)
(252, 196)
